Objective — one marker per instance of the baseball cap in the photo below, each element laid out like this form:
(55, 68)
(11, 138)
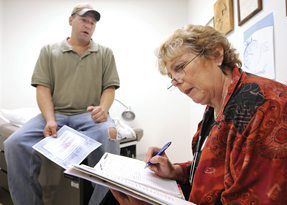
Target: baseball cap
(81, 9)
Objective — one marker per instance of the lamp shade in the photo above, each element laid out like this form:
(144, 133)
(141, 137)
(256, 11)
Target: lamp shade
(128, 114)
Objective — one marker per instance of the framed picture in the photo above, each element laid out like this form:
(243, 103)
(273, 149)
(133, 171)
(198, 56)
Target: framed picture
(223, 16)
(247, 9)
(211, 22)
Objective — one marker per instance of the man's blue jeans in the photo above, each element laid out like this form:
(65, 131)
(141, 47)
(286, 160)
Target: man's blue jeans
(24, 164)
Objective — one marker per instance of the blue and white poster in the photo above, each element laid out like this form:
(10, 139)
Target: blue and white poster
(258, 56)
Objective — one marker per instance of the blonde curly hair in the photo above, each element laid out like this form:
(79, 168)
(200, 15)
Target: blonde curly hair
(200, 40)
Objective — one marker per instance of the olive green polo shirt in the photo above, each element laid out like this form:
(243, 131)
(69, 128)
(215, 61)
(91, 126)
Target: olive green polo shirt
(76, 81)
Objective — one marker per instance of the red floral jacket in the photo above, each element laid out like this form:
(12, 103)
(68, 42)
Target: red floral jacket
(244, 160)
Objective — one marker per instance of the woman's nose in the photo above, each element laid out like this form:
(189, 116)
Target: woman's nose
(175, 82)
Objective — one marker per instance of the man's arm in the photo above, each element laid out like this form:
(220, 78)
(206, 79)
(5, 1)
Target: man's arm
(99, 113)
(107, 98)
(44, 100)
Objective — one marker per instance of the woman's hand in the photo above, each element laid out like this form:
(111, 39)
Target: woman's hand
(161, 165)
(124, 199)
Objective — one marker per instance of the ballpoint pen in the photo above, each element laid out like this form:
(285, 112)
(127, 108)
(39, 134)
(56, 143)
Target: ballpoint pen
(159, 153)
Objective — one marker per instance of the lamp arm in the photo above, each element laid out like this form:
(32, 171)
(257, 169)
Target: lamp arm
(121, 103)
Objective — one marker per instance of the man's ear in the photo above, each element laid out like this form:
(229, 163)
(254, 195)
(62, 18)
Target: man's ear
(71, 20)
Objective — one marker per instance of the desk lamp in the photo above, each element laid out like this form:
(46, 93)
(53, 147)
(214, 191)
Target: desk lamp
(128, 114)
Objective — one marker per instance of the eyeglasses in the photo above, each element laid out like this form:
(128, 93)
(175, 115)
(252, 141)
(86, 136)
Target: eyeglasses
(179, 75)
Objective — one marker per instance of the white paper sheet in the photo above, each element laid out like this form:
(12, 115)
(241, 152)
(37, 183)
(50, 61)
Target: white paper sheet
(69, 147)
(113, 165)
(112, 171)
(258, 56)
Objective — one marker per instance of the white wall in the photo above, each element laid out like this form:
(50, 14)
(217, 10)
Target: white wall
(200, 12)
(132, 29)
(1, 47)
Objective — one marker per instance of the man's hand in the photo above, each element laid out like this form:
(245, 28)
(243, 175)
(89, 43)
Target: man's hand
(50, 129)
(97, 113)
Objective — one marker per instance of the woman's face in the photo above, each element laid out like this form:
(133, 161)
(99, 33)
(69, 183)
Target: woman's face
(201, 76)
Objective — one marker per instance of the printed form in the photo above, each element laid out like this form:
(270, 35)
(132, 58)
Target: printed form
(112, 165)
(69, 147)
(128, 175)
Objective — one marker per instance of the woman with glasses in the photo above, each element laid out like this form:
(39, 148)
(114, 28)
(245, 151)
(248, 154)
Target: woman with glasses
(240, 148)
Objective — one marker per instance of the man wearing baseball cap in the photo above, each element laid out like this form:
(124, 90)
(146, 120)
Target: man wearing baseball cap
(75, 81)
(81, 9)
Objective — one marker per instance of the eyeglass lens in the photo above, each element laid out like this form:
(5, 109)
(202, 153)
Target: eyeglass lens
(180, 74)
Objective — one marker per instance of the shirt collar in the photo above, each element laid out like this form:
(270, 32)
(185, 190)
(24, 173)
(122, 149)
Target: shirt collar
(94, 47)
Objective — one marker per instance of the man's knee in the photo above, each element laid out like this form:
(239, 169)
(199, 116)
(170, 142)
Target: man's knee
(9, 142)
(113, 133)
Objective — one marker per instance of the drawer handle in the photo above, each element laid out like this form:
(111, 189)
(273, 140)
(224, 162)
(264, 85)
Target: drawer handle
(3, 171)
(70, 177)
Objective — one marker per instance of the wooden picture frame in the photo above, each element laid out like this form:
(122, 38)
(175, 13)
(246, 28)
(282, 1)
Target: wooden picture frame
(247, 9)
(211, 22)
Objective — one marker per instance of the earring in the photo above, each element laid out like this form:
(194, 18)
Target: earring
(219, 64)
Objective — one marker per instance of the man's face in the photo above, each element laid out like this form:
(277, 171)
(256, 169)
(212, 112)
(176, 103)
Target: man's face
(83, 27)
